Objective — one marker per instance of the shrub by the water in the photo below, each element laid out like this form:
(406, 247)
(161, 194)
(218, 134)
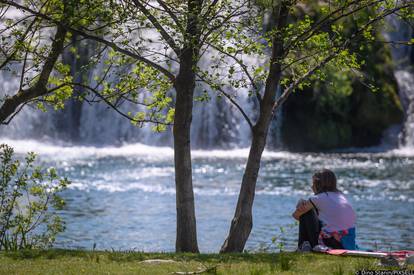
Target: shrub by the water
(28, 202)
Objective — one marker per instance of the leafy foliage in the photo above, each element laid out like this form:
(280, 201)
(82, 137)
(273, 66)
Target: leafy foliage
(28, 198)
(138, 48)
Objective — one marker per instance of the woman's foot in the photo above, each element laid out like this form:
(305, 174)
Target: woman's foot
(305, 247)
(320, 248)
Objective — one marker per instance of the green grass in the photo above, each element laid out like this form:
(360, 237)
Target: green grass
(100, 262)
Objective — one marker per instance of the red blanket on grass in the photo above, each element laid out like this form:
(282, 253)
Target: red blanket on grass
(377, 254)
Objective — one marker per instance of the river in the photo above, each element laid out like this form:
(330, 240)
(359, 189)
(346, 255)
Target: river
(123, 197)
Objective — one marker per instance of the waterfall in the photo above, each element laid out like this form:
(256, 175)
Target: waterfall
(403, 56)
(29, 122)
(405, 79)
(216, 123)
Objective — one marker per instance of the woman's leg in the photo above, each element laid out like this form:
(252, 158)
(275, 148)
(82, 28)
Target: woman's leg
(309, 228)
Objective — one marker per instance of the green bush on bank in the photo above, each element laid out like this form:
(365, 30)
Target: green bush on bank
(28, 198)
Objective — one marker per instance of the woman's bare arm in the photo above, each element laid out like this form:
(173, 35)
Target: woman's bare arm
(302, 207)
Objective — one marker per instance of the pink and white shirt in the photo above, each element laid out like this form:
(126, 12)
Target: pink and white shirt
(335, 212)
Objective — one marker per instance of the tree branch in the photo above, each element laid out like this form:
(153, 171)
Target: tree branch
(241, 64)
(329, 20)
(110, 44)
(171, 14)
(243, 113)
(117, 109)
(293, 85)
(22, 38)
(170, 41)
(10, 104)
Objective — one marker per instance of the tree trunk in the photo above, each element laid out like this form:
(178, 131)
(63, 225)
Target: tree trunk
(184, 85)
(186, 240)
(242, 222)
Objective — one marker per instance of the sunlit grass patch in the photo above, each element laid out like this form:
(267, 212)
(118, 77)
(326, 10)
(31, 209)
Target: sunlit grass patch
(57, 261)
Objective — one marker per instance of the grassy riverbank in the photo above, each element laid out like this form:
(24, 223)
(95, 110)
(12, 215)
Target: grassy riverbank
(95, 262)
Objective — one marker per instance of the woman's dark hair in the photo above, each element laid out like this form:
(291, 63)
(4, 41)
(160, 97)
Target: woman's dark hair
(324, 181)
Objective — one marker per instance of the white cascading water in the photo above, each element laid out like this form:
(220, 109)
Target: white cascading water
(216, 123)
(402, 55)
(405, 81)
(29, 122)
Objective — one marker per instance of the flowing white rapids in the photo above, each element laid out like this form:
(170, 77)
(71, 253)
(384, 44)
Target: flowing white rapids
(218, 172)
(131, 149)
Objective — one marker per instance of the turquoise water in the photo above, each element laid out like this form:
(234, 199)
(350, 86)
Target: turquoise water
(123, 198)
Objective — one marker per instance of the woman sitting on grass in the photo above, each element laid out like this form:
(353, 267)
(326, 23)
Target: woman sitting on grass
(327, 218)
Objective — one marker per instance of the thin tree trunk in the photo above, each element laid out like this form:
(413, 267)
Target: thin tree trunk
(186, 239)
(242, 222)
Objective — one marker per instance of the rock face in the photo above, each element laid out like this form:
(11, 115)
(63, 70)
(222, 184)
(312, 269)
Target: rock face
(347, 114)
